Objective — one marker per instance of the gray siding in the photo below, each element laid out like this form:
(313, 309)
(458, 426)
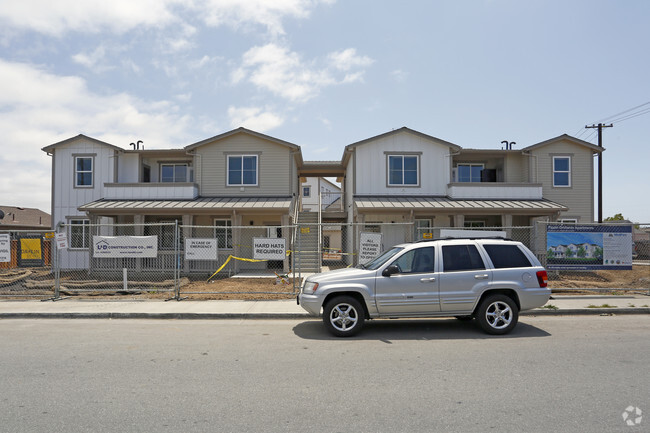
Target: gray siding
(276, 167)
(579, 197)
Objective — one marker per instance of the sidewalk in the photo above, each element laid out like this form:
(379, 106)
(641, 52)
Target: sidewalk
(283, 309)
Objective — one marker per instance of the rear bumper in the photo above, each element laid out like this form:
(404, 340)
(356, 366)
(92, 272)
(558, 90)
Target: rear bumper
(530, 299)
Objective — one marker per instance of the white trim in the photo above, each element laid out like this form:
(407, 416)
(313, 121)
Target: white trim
(242, 156)
(568, 172)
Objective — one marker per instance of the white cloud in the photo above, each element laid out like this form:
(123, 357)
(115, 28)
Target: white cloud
(348, 59)
(94, 61)
(40, 109)
(254, 118)
(268, 13)
(399, 75)
(275, 68)
(92, 16)
(58, 17)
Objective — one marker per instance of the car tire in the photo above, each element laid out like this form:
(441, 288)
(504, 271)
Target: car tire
(343, 316)
(497, 314)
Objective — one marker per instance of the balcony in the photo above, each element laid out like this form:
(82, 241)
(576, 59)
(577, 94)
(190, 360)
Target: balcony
(151, 191)
(494, 191)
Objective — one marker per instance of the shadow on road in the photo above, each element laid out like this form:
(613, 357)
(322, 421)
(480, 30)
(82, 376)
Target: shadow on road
(416, 329)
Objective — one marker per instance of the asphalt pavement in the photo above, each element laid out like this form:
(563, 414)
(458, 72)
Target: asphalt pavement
(277, 309)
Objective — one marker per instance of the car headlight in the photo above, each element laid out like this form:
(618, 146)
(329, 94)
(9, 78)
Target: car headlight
(309, 287)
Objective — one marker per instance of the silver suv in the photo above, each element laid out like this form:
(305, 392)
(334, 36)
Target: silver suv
(487, 279)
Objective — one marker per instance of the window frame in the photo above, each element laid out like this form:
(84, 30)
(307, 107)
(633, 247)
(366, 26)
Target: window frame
(77, 171)
(225, 231)
(403, 156)
(308, 189)
(241, 158)
(568, 171)
(174, 165)
(470, 165)
(84, 225)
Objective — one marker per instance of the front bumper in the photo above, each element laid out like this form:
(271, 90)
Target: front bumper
(311, 303)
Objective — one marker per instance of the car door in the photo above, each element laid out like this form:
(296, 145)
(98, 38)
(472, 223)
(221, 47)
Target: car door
(414, 289)
(463, 277)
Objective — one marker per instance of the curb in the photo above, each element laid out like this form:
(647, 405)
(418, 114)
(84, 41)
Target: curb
(264, 316)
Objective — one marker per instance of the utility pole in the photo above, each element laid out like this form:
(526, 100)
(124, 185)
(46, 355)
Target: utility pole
(600, 127)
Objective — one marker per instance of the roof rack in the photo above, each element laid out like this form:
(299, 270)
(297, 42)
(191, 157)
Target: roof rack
(474, 238)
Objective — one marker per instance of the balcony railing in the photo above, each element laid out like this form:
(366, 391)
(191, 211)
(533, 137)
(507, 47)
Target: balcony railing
(150, 191)
(495, 191)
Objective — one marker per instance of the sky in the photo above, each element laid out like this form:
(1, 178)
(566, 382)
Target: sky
(323, 74)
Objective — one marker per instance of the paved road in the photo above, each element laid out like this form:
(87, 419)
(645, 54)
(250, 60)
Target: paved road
(552, 374)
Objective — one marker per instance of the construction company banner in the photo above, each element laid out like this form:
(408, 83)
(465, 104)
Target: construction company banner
(125, 246)
(31, 251)
(369, 246)
(588, 247)
(5, 248)
(269, 248)
(201, 249)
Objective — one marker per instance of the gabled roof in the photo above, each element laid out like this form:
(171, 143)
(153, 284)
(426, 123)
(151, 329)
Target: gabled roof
(565, 137)
(403, 129)
(51, 147)
(242, 130)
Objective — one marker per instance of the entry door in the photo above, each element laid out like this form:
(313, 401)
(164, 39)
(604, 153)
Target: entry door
(412, 291)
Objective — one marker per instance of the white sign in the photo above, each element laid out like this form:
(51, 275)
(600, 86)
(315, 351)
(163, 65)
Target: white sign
(61, 240)
(369, 247)
(269, 248)
(125, 246)
(5, 248)
(201, 249)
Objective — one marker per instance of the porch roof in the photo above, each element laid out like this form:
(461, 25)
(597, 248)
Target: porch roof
(376, 203)
(198, 204)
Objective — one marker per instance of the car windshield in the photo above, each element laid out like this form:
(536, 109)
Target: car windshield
(383, 258)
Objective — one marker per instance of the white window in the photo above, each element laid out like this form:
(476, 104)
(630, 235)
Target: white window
(569, 221)
(223, 233)
(306, 191)
(422, 228)
(173, 172)
(469, 172)
(83, 171)
(561, 171)
(474, 224)
(403, 170)
(242, 170)
(79, 234)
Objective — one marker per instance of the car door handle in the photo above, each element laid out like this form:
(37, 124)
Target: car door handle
(481, 276)
(428, 280)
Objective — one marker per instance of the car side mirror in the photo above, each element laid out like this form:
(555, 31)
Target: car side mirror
(392, 269)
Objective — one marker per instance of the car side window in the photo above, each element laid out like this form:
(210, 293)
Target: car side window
(507, 256)
(461, 258)
(416, 261)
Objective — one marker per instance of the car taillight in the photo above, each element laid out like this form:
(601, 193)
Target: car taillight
(542, 278)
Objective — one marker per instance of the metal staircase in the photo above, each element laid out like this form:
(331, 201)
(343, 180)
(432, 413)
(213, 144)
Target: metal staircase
(307, 242)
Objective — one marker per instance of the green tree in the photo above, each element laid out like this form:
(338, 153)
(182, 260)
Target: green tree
(549, 254)
(568, 253)
(617, 217)
(581, 252)
(598, 252)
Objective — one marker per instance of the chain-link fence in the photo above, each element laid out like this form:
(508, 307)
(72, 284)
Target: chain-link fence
(26, 263)
(170, 260)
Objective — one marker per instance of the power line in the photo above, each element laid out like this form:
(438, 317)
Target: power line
(622, 112)
(632, 115)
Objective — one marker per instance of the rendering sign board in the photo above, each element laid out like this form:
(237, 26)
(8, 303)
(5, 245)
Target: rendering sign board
(125, 246)
(31, 251)
(588, 247)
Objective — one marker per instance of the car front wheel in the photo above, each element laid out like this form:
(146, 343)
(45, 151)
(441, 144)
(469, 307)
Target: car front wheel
(497, 314)
(343, 316)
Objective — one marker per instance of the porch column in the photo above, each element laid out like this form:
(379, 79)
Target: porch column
(459, 221)
(236, 238)
(138, 230)
(506, 222)
(186, 221)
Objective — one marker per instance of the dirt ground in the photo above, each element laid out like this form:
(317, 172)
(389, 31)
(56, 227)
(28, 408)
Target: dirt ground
(271, 288)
